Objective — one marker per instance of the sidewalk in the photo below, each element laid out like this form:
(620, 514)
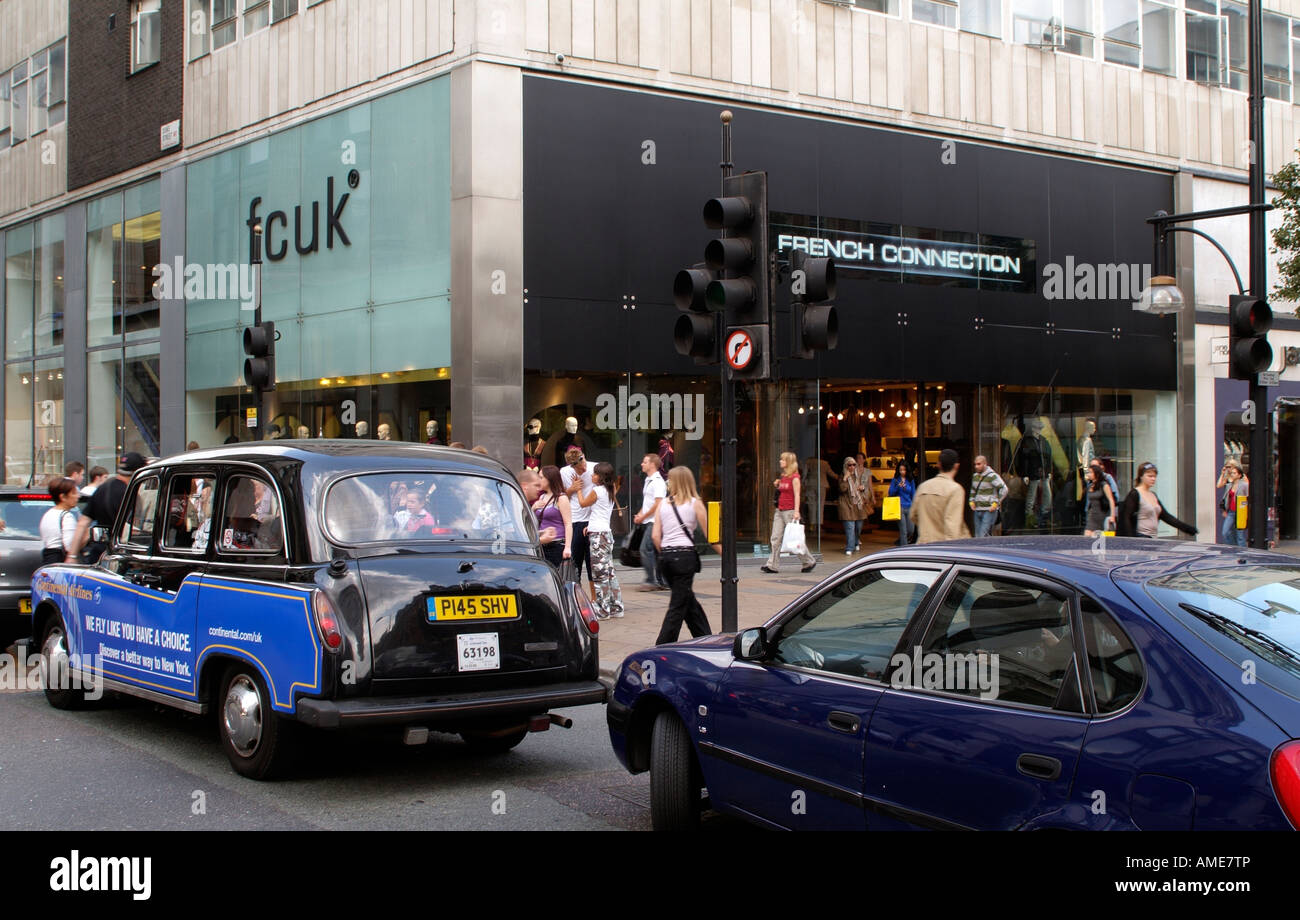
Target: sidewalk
(759, 595)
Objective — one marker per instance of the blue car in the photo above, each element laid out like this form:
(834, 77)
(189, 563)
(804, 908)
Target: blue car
(994, 685)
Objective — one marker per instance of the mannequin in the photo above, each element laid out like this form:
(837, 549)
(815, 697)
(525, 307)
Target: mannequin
(534, 444)
(304, 431)
(1035, 465)
(383, 432)
(431, 432)
(1085, 455)
(363, 429)
(571, 436)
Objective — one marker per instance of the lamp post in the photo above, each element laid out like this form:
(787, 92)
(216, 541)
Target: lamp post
(1163, 296)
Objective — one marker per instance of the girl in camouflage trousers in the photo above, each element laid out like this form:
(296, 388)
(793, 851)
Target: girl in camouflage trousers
(609, 595)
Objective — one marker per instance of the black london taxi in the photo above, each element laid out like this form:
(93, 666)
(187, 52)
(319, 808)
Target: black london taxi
(328, 584)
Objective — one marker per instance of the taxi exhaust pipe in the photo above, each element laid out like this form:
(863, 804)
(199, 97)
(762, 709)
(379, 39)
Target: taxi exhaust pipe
(561, 720)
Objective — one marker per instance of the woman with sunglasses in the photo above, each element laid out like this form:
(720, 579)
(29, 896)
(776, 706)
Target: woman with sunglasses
(1142, 511)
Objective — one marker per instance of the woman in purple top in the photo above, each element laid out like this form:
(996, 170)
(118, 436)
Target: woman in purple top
(552, 510)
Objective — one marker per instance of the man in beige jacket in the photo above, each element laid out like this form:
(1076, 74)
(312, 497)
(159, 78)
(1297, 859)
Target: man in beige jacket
(939, 507)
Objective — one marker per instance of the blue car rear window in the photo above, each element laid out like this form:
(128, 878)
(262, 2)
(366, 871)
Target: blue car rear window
(1255, 607)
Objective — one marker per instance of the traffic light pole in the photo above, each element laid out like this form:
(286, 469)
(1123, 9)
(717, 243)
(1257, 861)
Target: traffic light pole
(258, 395)
(729, 579)
(1261, 458)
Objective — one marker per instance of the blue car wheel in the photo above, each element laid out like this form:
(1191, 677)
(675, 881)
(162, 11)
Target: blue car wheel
(674, 776)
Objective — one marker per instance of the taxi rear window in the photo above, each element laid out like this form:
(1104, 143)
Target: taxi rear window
(432, 507)
(22, 515)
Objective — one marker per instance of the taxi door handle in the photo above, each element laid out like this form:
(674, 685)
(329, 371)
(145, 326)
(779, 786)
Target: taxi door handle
(148, 581)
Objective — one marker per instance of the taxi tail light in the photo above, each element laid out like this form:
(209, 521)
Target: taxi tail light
(584, 607)
(327, 621)
(1284, 768)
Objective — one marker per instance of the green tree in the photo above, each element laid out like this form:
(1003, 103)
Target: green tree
(1286, 238)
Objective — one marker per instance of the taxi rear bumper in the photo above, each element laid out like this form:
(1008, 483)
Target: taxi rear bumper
(460, 708)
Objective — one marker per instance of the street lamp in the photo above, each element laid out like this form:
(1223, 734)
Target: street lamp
(1162, 295)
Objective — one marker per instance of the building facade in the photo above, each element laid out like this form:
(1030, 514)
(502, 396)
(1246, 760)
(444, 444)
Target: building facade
(472, 213)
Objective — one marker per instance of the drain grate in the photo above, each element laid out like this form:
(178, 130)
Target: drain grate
(637, 795)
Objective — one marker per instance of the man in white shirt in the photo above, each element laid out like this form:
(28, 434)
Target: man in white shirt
(575, 476)
(652, 493)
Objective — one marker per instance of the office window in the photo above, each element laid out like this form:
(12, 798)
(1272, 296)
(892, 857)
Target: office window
(58, 83)
(878, 6)
(196, 27)
(1238, 26)
(4, 110)
(1065, 25)
(1158, 38)
(1295, 71)
(39, 89)
(18, 103)
(931, 11)
(257, 15)
(283, 9)
(1122, 27)
(146, 33)
(1207, 41)
(1277, 56)
(982, 16)
(224, 21)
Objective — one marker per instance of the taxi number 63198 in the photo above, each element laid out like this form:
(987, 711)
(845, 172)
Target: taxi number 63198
(478, 651)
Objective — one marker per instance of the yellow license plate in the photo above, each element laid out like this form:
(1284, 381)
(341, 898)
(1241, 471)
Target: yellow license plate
(473, 607)
(24, 605)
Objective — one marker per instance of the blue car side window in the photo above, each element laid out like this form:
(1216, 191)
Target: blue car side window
(854, 628)
(1113, 660)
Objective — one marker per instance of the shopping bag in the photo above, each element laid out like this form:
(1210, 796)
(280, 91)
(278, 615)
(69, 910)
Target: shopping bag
(1241, 513)
(892, 510)
(792, 543)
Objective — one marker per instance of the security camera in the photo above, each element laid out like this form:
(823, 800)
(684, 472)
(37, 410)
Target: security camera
(559, 57)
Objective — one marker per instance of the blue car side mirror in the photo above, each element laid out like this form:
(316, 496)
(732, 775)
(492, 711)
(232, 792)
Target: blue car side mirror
(751, 645)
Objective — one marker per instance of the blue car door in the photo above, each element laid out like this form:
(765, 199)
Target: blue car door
(983, 722)
(786, 734)
(168, 584)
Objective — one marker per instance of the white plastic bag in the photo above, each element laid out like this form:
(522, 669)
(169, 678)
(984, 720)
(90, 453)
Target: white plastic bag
(792, 543)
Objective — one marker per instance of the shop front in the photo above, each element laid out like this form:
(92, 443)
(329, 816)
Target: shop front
(355, 216)
(951, 335)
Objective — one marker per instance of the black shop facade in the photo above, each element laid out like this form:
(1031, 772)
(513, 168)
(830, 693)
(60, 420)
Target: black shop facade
(948, 334)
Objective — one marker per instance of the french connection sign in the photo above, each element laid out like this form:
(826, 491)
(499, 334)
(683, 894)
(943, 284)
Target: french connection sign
(911, 254)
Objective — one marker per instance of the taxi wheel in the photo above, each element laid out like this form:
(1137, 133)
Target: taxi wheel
(675, 779)
(258, 741)
(55, 668)
(484, 743)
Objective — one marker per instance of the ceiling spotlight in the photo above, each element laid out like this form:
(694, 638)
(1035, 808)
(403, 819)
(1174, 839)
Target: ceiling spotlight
(871, 415)
(801, 410)
(899, 413)
(907, 414)
(840, 417)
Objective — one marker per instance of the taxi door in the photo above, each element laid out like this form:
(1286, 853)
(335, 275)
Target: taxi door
(167, 582)
(108, 630)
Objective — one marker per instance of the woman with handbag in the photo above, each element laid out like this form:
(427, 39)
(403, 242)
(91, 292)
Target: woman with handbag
(853, 507)
(1143, 512)
(552, 510)
(787, 512)
(674, 538)
(903, 487)
(608, 599)
(59, 524)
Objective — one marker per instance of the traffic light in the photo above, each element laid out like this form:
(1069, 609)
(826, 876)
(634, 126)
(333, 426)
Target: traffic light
(259, 366)
(1249, 320)
(697, 330)
(742, 293)
(815, 325)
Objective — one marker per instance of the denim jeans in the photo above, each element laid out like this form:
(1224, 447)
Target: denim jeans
(1231, 535)
(906, 529)
(648, 560)
(984, 522)
(852, 530)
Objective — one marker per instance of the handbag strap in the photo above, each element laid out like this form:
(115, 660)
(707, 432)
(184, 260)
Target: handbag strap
(681, 523)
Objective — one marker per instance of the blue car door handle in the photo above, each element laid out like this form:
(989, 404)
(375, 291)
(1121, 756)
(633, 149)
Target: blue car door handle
(1039, 767)
(844, 722)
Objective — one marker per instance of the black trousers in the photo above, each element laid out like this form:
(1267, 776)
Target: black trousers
(679, 570)
(581, 550)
